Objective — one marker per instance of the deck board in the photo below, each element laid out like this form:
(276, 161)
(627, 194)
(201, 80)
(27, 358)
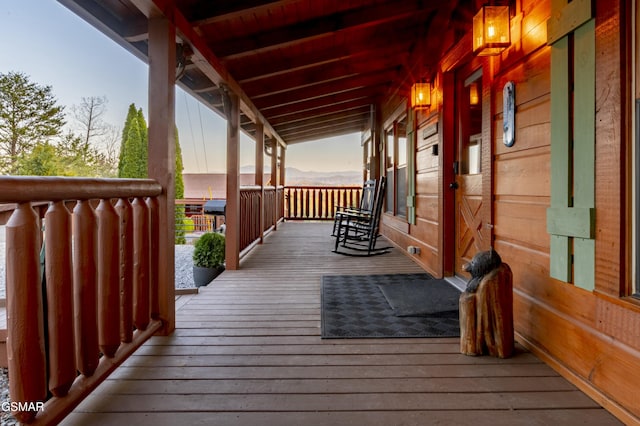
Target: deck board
(247, 351)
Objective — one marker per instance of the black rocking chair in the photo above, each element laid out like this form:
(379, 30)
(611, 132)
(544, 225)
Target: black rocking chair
(365, 207)
(357, 233)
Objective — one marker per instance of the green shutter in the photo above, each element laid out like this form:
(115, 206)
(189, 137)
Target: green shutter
(571, 217)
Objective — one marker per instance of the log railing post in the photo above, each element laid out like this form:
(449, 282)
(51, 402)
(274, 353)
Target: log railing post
(25, 339)
(141, 249)
(125, 214)
(59, 291)
(85, 277)
(108, 273)
(154, 263)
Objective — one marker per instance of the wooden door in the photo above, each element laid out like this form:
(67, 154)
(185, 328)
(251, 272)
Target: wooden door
(468, 184)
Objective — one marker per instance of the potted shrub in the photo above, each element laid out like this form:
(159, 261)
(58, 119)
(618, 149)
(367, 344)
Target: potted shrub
(208, 258)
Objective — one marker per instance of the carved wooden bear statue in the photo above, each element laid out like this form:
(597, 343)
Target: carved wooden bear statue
(486, 307)
(481, 264)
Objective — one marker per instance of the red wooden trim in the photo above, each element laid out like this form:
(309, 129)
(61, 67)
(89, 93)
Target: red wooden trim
(447, 196)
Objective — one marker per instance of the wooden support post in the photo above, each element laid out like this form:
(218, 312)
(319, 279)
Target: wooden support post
(376, 142)
(259, 179)
(283, 163)
(232, 217)
(274, 179)
(162, 163)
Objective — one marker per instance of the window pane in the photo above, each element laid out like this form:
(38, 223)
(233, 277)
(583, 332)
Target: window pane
(390, 191)
(390, 148)
(401, 192)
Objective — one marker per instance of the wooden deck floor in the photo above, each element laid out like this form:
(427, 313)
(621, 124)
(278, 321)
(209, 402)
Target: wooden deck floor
(247, 351)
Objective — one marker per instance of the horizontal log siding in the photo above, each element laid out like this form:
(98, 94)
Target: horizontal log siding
(591, 338)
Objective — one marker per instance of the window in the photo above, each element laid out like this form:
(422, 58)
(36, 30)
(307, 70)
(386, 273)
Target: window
(390, 168)
(396, 168)
(472, 145)
(401, 171)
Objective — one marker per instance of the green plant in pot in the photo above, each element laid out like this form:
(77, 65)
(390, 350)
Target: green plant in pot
(208, 258)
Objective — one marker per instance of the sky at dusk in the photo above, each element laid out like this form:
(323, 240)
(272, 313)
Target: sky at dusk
(55, 47)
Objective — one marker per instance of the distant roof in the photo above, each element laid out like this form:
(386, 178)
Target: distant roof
(206, 186)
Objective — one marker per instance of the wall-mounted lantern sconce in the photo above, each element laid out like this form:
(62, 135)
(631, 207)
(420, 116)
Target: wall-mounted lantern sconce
(474, 96)
(420, 95)
(491, 30)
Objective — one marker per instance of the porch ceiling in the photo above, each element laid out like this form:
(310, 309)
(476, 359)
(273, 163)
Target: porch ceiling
(310, 68)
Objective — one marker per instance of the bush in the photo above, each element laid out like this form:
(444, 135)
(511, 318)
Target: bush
(188, 225)
(209, 250)
(180, 231)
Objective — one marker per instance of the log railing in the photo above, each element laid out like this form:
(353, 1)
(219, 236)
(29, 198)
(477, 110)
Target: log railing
(71, 322)
(249, 216)
(318, 202)
(270, 199)
(250, 231)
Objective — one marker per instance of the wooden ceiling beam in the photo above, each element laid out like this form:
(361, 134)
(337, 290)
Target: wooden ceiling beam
(261, 66)
(351, 20)
(327, 72)
(213, 12)
(325, 90)
(362, 96)
(321, 113)
(347, 117)
(322, 134)
(355, 125)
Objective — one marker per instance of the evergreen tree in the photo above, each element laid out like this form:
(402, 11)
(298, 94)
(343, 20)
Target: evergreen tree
(179, 168)
(125, 149)
(29, 115)
(134, 157)
(134, 151)
(179, 191)
(130, 164)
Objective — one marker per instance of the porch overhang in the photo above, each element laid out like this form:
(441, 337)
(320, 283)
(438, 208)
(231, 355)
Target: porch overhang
(303, 70)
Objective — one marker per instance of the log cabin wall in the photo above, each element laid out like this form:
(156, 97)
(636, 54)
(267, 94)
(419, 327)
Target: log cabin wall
(591, 336)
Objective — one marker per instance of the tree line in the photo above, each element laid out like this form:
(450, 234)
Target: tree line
(33, 142)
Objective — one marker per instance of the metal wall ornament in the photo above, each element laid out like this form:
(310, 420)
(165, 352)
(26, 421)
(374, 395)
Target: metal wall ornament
(509, 114)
